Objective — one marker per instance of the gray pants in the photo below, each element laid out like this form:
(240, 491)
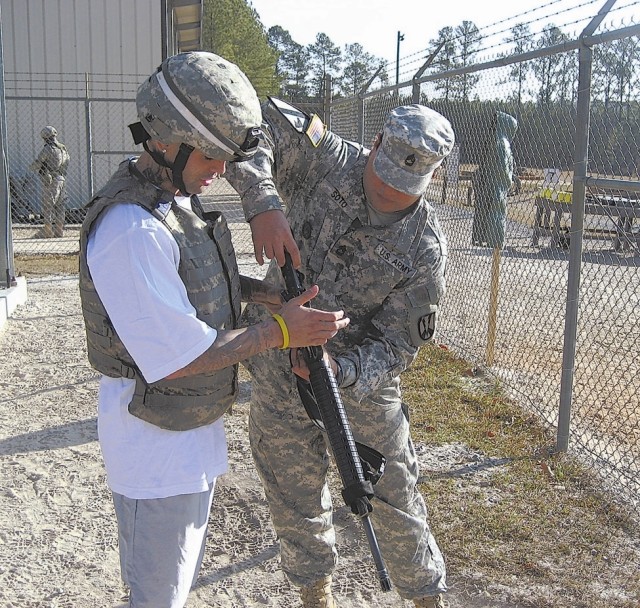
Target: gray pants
(292, 460)
(161, 544)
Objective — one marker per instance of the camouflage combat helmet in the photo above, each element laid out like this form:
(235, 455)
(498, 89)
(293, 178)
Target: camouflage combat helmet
(204, 101)
(48, 132)
(198, 100)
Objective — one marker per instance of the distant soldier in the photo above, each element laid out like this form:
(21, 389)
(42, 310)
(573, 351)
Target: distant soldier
(51, 165)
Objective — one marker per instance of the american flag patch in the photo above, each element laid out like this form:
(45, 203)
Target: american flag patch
(315, 130)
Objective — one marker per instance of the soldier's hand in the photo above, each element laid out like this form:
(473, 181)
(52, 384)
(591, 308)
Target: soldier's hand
(271, 236)
(309, 326)
(299, 365)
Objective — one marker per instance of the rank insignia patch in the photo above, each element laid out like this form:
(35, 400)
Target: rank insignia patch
(315, 130)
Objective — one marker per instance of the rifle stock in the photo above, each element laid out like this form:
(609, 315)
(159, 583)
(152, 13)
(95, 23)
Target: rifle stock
(357, 491)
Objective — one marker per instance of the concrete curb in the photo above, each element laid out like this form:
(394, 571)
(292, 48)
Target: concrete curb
(11, 298)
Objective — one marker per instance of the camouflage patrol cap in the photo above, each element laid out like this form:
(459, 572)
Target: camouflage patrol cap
(203, 100)
(415, 140)
(48, 132)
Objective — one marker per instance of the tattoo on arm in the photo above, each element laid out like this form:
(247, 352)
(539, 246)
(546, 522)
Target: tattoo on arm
(233, 346)
(254, 290)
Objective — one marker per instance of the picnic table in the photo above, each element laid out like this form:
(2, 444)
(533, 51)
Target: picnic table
(622, 211)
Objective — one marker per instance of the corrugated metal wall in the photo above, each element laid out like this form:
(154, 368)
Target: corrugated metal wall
(55, 37)
(58, 55)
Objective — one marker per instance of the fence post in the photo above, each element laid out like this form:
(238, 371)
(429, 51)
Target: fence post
(8, 278)
(415, 86)
(415, 92)
(361, 94)
(580, 160)
(88, 122)
(327, 101)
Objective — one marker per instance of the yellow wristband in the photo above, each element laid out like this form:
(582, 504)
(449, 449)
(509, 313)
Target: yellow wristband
(284, 330)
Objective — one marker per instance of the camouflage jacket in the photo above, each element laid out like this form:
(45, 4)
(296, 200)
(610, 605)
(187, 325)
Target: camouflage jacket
(209, 271)
(52, 162)
(387, 279)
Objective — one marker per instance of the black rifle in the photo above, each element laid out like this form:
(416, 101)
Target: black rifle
(357, 491)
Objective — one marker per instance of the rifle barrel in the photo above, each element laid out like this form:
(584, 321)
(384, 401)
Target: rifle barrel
(336, 424)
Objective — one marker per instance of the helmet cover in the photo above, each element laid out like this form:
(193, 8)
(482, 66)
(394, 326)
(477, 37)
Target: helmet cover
(203, 100)
(48, 132)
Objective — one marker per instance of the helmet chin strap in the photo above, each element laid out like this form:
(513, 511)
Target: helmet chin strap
(177, 167)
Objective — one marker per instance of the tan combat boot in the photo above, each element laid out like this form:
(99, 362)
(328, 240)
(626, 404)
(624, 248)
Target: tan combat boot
(431, 601)
(318, 595)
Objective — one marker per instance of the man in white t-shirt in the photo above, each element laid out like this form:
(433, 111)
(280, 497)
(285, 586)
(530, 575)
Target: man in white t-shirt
(161, 293)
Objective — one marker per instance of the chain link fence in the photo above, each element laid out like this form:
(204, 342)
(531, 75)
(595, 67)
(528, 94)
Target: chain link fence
(546, 301)
(543, 282)
(88, 111)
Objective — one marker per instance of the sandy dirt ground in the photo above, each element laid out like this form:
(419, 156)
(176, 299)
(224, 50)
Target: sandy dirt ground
(57, 532)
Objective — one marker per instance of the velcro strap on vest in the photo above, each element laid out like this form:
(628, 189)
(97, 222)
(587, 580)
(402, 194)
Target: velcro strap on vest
(152, 400)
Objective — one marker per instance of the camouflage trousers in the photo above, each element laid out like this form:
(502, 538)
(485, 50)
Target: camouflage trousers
(53, 211)
(291, 458)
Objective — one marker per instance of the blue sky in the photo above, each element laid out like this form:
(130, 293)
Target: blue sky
(375, 23)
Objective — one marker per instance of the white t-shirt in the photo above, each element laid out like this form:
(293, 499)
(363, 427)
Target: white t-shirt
(133, 261)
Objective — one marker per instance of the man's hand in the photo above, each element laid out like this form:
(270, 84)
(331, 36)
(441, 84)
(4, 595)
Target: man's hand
(299, 365)
(310, 326)
(272, 236)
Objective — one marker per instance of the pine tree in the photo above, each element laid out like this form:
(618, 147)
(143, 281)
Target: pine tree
(232, 29)
(325, 58)
(359, 67)
(292, 66)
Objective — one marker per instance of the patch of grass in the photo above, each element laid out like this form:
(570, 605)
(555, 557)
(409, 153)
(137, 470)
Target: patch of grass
(43, 265)
(538, 524)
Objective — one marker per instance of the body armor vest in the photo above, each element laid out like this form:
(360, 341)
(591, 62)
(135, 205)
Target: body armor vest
(61, 171)
(209, 271)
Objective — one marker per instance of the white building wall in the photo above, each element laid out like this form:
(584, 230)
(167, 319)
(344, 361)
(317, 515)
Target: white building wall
(57, 55)
(53, 37)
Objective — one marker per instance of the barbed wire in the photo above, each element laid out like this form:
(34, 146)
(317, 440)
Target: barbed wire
(514, 18)
(411, 63)
(68, 84)
(100, 83)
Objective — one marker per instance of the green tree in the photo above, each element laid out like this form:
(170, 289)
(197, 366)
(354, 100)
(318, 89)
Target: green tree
(550, 70)
(445, 60)
(520, 39)
(468, 37)
(625, 73)
(324, 58)
(359, 67)
(292, 65)
(232, 29)
(616, 66)
(604, 64)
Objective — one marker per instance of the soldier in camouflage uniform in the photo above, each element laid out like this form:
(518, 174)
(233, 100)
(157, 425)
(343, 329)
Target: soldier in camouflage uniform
(360, 228)
(51, 165)
(160, 293)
